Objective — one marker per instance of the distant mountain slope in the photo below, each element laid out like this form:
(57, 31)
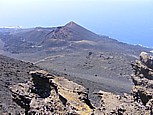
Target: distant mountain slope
(75, 51)
(72, 32)
(68, 37)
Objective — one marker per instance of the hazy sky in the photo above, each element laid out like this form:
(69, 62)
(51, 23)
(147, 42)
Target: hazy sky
(129, 21)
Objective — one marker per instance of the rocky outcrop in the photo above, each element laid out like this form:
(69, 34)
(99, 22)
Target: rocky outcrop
(48, 94)
(140, 102)
(112, 104)
(143, 80)
(12, 71)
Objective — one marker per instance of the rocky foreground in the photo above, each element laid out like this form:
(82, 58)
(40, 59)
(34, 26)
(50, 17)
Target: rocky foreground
(48, 94)
(12, 71)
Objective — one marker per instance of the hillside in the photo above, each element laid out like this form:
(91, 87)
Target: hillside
(75, 51)
(49, 93)
(12, 72)
(64, 38)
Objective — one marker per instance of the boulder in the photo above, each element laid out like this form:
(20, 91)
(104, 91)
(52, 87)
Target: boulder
(146, 59)
(48, 94)
(140, 102)
(112, 104)
(143, 80)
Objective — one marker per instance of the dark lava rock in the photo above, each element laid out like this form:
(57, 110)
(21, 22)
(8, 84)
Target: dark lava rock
(49, 95)
(12, 72)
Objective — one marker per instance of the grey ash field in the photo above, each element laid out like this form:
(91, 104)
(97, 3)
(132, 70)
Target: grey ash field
(94, 61)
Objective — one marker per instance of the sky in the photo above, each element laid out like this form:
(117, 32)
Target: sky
(129, 21)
